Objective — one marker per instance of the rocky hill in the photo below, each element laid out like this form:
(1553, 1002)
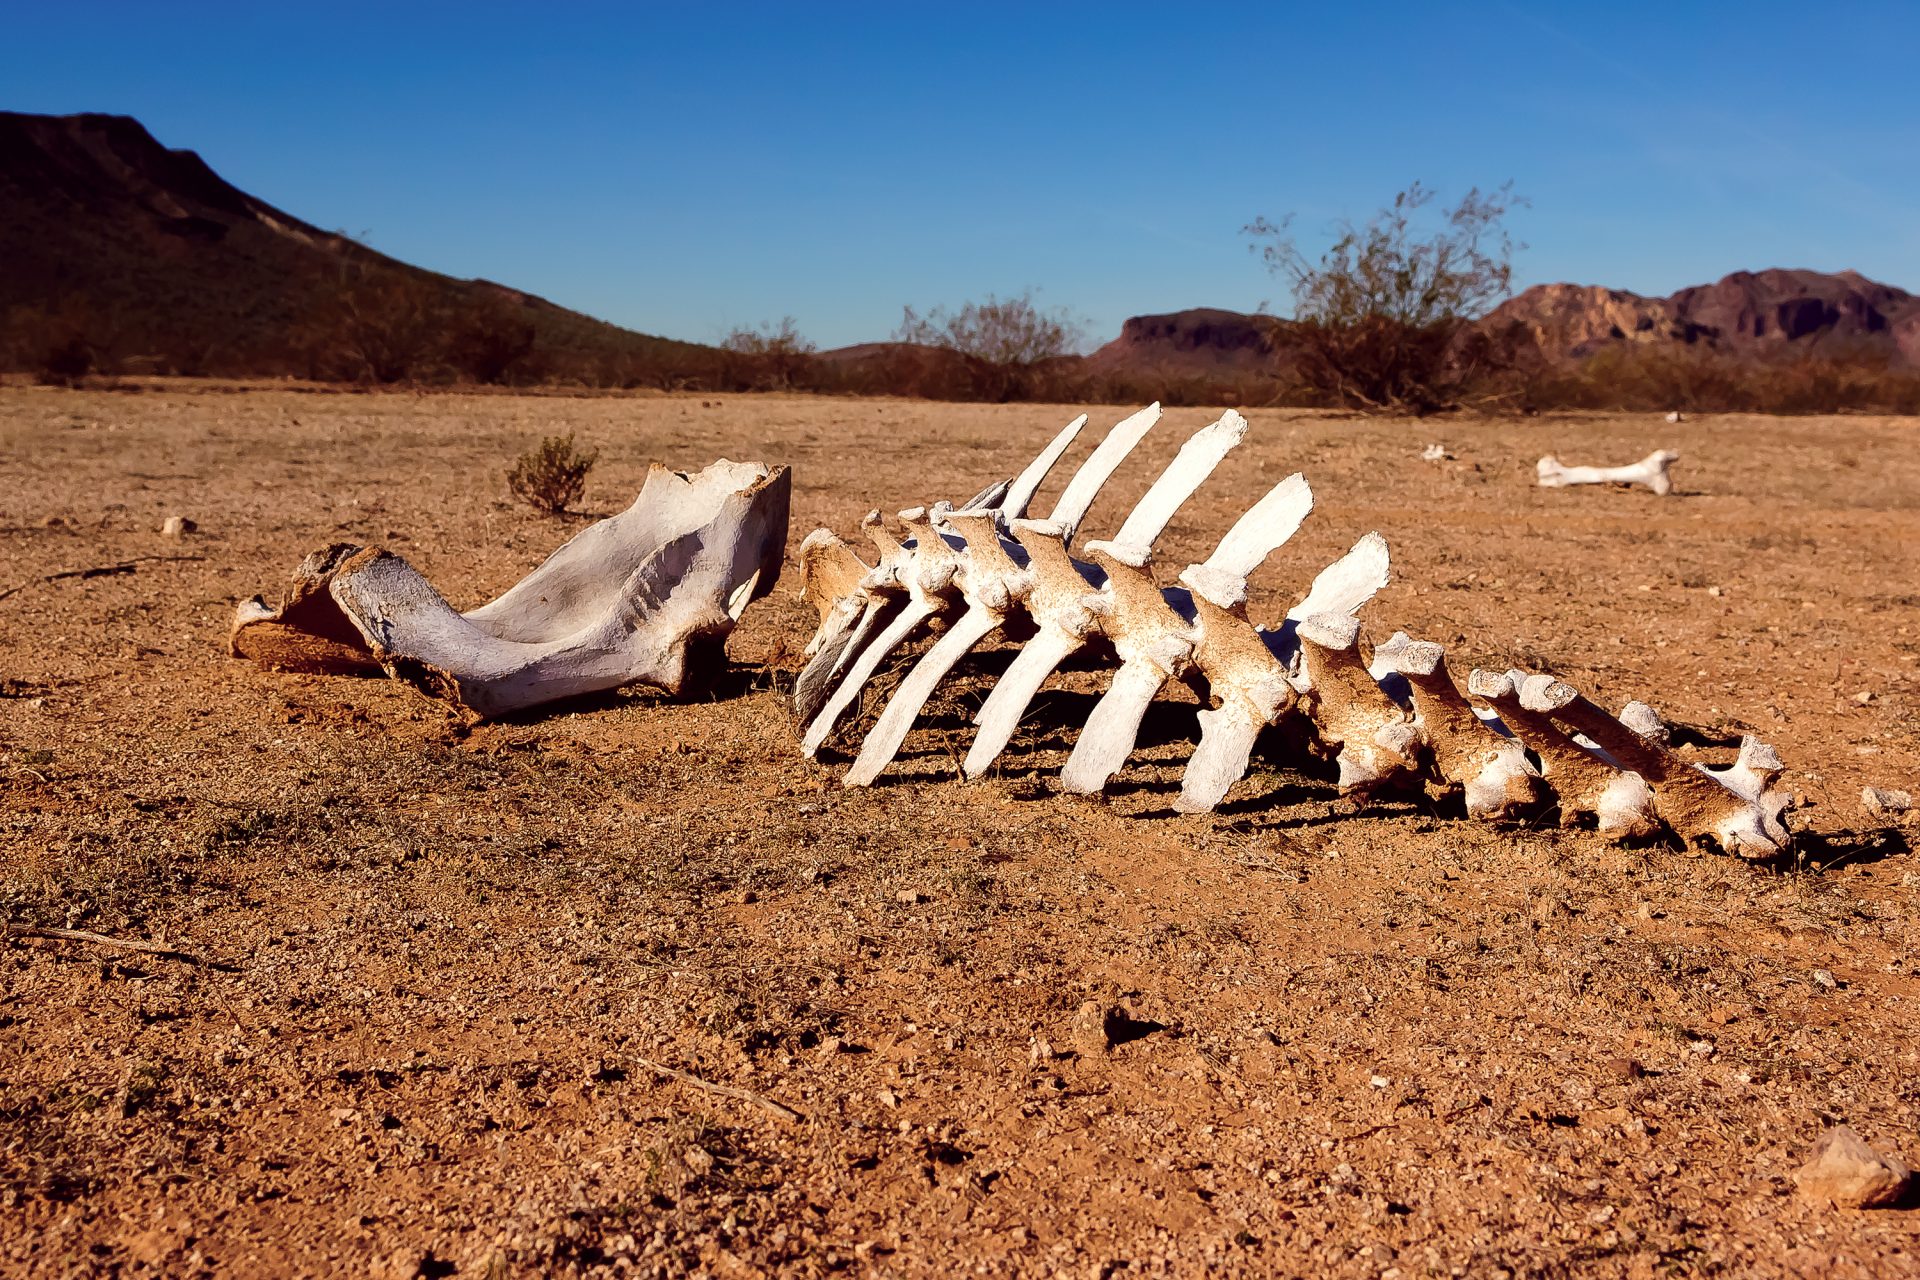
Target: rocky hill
(1757, 314)
(145, 255)
(1203, 341)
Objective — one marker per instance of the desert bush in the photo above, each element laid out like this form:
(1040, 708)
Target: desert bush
(552, 476)
(65, 361)
(769, 358)
(491, 342)
(1011, 337)
(1377, 316)
(1698, 379)
(60, 345)
(372, 323)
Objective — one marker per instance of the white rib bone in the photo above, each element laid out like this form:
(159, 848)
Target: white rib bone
(1199, 629)
(853, 623)
(1020, 493)
(1099, 468)
(928, 572)
(1155, 641)
(932, 569)
(1246, 682)
(1650, 471)
(994, 584)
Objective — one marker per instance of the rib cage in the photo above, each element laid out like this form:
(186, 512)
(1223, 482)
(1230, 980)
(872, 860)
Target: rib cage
(1513, 744)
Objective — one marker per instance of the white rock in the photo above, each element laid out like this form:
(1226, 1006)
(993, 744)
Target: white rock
(1843, 1170)
(1879, 802)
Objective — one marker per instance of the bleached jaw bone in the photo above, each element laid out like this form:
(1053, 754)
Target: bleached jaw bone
(645, 597)
(1314, 662)
(1650, 471)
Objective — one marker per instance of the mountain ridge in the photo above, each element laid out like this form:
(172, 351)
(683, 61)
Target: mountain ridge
(112, 241)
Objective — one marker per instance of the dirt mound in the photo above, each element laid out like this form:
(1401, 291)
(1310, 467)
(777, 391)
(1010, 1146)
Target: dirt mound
(1747, 314)
(152, 260)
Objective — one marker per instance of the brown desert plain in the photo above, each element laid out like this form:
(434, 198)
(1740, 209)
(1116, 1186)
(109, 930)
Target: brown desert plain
(429, 969)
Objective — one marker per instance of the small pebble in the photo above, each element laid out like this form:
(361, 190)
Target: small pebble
(1091, 1031)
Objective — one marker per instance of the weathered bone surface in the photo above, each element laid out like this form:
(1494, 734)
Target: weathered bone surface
(644, 597)
(1489, 768)
(1650, 471)
(1512, 746)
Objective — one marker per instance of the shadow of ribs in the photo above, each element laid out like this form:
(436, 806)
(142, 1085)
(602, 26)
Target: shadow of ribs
(1511, 744)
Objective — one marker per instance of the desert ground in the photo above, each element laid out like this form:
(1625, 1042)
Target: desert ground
(427, 966)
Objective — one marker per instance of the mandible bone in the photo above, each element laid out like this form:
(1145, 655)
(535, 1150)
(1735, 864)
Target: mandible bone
(648, 596)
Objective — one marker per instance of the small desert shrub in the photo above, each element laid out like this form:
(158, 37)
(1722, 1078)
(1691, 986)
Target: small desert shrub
(552, 477)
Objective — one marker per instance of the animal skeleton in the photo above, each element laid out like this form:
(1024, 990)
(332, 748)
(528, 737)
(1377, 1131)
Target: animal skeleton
(1650, 471)
(1510, 745)
(648, 596)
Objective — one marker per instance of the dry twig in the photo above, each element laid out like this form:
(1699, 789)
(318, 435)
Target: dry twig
(97, 571)
(100, 939)
(765, 1103)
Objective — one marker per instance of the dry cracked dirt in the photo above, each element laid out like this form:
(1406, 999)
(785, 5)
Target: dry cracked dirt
(434, 968)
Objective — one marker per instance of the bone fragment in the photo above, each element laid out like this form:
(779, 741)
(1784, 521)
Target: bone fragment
(1650, 471)
(1373, 739)
(1733, 806)
(1492, 771)
(1620, 802)
(645, 597)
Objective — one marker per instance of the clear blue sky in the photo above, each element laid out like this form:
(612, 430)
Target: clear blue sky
(683, 169)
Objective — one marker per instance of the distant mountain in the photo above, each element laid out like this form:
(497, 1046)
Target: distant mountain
(143, 258)
(1749, 314)
(147, 251)
(1202, 342)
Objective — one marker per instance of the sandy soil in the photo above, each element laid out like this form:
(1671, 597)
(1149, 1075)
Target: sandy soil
(1389, 1043)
